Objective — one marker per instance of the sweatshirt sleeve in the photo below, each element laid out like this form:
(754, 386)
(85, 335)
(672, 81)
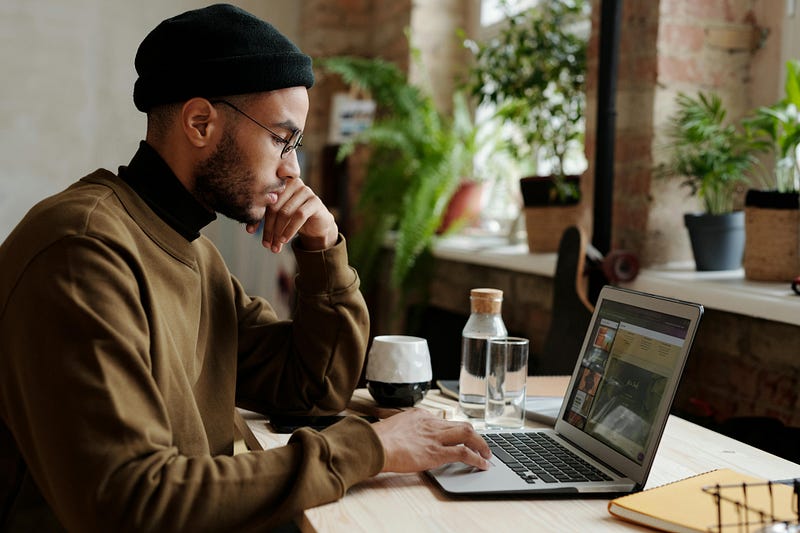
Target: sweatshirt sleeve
(85, 410)
(313, 363)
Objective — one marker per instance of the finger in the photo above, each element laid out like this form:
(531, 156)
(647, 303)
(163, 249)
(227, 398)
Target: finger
(273, 227)
(480, 447)
(271, 215)
(266, 234)
(294, 214)
(467, 456)
(464, 433)
(281, 212)
(269, 227)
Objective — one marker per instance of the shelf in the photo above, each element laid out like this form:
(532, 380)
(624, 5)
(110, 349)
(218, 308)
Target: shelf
(725, 290)
(495, 252)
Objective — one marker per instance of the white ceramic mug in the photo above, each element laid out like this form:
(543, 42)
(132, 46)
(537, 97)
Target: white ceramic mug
(398, 370)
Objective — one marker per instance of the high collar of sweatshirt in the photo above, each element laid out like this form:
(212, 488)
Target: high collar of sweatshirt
(152, 179)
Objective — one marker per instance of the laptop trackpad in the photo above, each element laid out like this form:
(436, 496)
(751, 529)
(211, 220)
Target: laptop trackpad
(459, 478)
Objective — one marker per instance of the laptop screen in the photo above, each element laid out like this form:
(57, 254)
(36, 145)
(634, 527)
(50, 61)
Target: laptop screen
(624, 372)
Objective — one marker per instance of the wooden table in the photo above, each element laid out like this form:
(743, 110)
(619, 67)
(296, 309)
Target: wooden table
(412, 502)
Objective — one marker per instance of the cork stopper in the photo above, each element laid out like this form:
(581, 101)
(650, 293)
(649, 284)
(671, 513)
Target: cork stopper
(486, 300)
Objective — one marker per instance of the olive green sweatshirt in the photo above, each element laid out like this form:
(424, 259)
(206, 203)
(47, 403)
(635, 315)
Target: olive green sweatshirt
(124, 348)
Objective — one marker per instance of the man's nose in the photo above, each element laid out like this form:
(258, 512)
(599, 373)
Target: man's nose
(290, 165)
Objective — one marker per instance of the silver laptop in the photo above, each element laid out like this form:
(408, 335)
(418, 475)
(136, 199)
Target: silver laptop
(613, 413)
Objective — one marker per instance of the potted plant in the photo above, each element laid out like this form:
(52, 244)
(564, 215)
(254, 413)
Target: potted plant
(418, 158)
(472, 137)
(714, 158)
(533, 74)
(772, 215)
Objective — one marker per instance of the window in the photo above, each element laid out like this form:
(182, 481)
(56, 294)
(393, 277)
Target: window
(505, 172)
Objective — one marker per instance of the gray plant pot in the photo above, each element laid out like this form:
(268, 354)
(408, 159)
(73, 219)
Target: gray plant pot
(717, 240)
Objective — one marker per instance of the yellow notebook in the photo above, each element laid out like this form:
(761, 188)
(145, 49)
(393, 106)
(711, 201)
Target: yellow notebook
(683, 506)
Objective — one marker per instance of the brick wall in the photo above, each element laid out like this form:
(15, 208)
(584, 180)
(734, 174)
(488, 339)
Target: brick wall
(335, 27)
(435, 25)
(636, 81)
(740, 366)
(743, 366)
(377, 28)
(666, 46)
(708, 46)
(345, 27)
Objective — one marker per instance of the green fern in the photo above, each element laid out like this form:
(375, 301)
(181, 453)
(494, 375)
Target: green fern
(418, 157)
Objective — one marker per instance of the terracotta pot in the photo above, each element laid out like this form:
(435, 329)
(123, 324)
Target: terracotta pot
(464, 207)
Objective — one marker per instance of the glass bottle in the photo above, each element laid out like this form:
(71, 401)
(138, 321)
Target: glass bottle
(484, 322)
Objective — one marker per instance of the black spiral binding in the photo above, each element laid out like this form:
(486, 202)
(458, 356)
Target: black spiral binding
(737, 494)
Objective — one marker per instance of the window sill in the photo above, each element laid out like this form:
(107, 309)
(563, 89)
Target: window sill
(495, 252)
(725, 291)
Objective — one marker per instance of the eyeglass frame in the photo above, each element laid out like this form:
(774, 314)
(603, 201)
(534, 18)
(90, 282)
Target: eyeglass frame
(288, 145)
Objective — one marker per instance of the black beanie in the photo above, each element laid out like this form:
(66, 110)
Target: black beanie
(215, 51)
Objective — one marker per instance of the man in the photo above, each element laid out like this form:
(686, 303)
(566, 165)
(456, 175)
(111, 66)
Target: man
(125, 342)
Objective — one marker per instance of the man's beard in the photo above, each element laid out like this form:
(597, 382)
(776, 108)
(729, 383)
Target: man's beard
(223, 184)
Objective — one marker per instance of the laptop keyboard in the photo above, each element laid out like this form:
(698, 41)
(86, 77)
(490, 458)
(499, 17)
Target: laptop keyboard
(537, 457)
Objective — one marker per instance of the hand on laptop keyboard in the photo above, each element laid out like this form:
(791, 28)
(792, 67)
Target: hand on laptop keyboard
(415, 440)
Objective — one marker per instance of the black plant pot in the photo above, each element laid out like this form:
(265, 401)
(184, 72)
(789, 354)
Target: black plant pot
(717, 240)
(772, 199)
(541, 191)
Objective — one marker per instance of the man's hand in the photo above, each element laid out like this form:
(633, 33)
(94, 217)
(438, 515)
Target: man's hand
(415, 440)
(298, 211)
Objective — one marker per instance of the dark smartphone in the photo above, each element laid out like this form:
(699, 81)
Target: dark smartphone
(289, 423)
(448, 387)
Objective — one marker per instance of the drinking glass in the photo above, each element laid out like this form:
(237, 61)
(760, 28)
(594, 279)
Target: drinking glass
(506, 376)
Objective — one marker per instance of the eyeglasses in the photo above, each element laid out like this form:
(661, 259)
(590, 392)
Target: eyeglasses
(290, 144)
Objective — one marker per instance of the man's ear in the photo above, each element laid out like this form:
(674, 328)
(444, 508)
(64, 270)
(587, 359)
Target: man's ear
(199, 120)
